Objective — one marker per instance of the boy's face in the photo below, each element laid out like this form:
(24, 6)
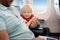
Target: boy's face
(26, 14)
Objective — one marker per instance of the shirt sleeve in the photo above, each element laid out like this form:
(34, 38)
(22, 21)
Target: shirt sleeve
(2, 24)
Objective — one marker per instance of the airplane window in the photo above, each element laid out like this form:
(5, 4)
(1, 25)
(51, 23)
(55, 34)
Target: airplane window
(40, 6)
(56, 6)
(56, 3)
(21, 3)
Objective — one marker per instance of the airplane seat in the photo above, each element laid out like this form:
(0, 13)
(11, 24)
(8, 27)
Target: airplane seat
(43, 31)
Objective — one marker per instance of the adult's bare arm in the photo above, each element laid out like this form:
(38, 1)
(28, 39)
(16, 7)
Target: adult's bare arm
(4, 35)
(38, 38)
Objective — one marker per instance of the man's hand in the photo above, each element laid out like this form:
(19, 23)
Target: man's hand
(38, 38)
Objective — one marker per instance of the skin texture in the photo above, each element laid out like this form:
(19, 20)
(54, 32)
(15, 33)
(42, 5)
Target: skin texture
(4, 35)
(38, 38)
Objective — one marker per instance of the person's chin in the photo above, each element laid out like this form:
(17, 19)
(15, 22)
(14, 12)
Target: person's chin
(7, 5)
(26, 17)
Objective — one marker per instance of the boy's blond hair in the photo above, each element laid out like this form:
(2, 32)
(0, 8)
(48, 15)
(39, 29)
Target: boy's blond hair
(26, 8)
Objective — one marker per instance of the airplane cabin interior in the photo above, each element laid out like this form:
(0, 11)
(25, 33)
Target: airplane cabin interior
(48, 14)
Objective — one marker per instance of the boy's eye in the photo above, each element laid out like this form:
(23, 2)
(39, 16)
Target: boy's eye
(28, 12)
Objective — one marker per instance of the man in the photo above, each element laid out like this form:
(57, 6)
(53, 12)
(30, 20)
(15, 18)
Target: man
(12, 27)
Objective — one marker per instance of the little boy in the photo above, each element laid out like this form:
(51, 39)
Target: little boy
(29, 17)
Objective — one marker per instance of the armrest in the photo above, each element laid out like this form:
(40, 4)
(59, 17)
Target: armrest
(41, 31)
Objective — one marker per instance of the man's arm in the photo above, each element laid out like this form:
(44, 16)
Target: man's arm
(4, 35)
(3, 32)
(38, 38)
